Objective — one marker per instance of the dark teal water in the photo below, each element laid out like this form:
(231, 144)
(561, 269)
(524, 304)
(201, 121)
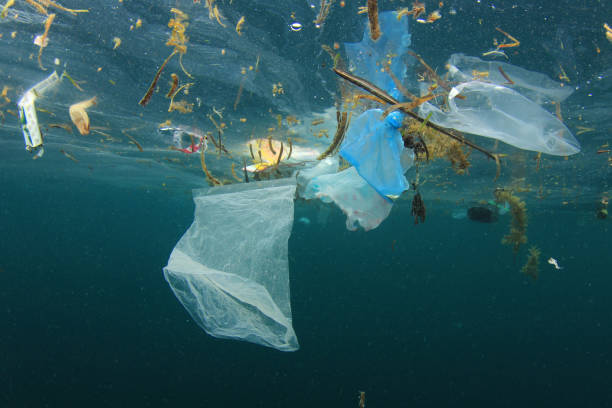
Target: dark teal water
(431, 315)
(440, 317)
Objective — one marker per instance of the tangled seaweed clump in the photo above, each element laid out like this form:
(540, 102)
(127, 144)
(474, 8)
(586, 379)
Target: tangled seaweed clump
(532, 266)
(518, 228)
(440, 146)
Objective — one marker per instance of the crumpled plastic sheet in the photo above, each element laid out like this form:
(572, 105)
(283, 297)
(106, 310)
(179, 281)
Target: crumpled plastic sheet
(361, 204)
(230, 270)
(366, 57)
(374, 146)
(534, 85)
(501, 113)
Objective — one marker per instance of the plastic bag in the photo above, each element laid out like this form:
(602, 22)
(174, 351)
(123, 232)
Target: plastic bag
(355, 197)
(375, 148)
(328, 165)
(501, 113)
(366, 58)
(230, 269)
(534, 85)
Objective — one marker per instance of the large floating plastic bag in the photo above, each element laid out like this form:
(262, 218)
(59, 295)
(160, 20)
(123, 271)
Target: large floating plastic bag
(374, 147)
(502, 113)
(367, 58)
(355, 197)
(534, 85)
(230, 269)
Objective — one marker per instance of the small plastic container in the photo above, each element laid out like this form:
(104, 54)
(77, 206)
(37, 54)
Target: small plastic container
(27, 114)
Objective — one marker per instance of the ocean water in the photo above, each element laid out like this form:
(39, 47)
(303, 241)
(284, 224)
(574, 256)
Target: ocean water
(430, 315)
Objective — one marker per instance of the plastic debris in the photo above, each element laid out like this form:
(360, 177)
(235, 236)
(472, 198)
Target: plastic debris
(376, 149)
(79, 116)
(362, 204)
(230, 270)
(27, 114)
(534, 85)
(501, 113)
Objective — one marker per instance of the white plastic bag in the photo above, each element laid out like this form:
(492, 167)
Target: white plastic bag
(230, 270)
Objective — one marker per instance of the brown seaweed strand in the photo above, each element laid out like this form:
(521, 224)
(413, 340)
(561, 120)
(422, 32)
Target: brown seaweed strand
(433, 73)
(379, 93)
(251, 150)
(239, 94)
(209, 176)
(270, 145)
(175, 81)
(407, 105)
(290, 149)
(147, 96)
(373, 18)
(506, 77)
(280, 155)
(399, 85)
(338, 138)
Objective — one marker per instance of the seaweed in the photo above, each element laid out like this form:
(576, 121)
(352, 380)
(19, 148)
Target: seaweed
(342, 119)
(532, 266)
(43, 39)
(175, 82)
(518, 227)
(438, 145)
(323, 12)
(145, 99)
(418, 208)
(209, 176)
(78, 114)
(373, 18)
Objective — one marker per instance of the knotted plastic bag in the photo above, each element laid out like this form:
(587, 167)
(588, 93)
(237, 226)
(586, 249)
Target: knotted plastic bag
(374, 146)
(501, 113)
(230, 269)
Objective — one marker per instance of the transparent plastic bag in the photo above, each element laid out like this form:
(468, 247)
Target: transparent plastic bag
(534, 85)
(366, 58)
(230, 270)
(355, 197)
(501, 113)
(329, 165)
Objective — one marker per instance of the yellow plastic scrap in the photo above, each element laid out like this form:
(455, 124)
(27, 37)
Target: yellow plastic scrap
(78, 114)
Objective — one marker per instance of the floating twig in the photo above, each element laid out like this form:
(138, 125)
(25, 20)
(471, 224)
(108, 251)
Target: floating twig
(379, 93)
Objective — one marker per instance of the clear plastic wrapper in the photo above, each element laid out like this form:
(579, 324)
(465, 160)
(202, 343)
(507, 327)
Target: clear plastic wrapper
(534, 85)
(501, 113)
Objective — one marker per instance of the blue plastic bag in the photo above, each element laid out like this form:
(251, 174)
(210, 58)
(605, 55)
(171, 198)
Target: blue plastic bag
(376, 149)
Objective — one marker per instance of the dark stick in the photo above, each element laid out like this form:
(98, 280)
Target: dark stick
(379, 93)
